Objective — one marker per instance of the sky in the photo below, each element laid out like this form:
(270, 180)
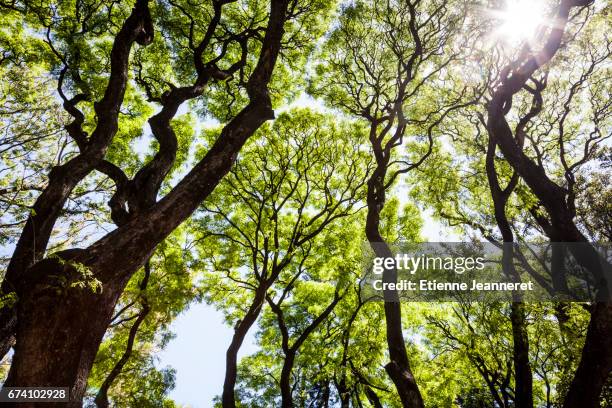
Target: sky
(198, 355)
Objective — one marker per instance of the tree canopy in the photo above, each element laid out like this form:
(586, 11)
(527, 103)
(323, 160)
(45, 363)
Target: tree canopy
(252, 154)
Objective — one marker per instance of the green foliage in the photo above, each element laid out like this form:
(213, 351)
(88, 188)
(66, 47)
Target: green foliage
(301, 174)
(289, 216)
(8, 299)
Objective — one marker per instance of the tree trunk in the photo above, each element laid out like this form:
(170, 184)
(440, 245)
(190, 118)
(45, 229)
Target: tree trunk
(524, 381)
(596, 361)
(398, 368)
(520, 340)
(343, 393)
(101, 399)
(231, 356)
(36, 233)
(291, 351)
(59, 330)
(60, 326)
(285, 380)
(372, 397)
(325, 396)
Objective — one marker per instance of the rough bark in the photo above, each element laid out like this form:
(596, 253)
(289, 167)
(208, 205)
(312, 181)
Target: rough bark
(59, 330)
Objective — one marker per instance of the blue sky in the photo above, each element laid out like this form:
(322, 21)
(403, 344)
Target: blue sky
(198, 355)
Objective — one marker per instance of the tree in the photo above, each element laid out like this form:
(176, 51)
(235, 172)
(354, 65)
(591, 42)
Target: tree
(549, 144)
(596, 361)
(213, 46)
(138, 174)
(381, 66)
(480, 336)
(270, 212)
(349, 370)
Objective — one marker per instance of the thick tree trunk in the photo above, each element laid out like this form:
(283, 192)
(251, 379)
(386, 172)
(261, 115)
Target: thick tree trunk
(231, 356)
(559, 283)
(36, 233)
(596, 361)
(59, 331)
(60, 327)
(398, 367)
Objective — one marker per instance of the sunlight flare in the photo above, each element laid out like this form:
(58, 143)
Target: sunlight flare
(520, 20)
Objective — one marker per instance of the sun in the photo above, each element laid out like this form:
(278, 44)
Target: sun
(520, 20)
